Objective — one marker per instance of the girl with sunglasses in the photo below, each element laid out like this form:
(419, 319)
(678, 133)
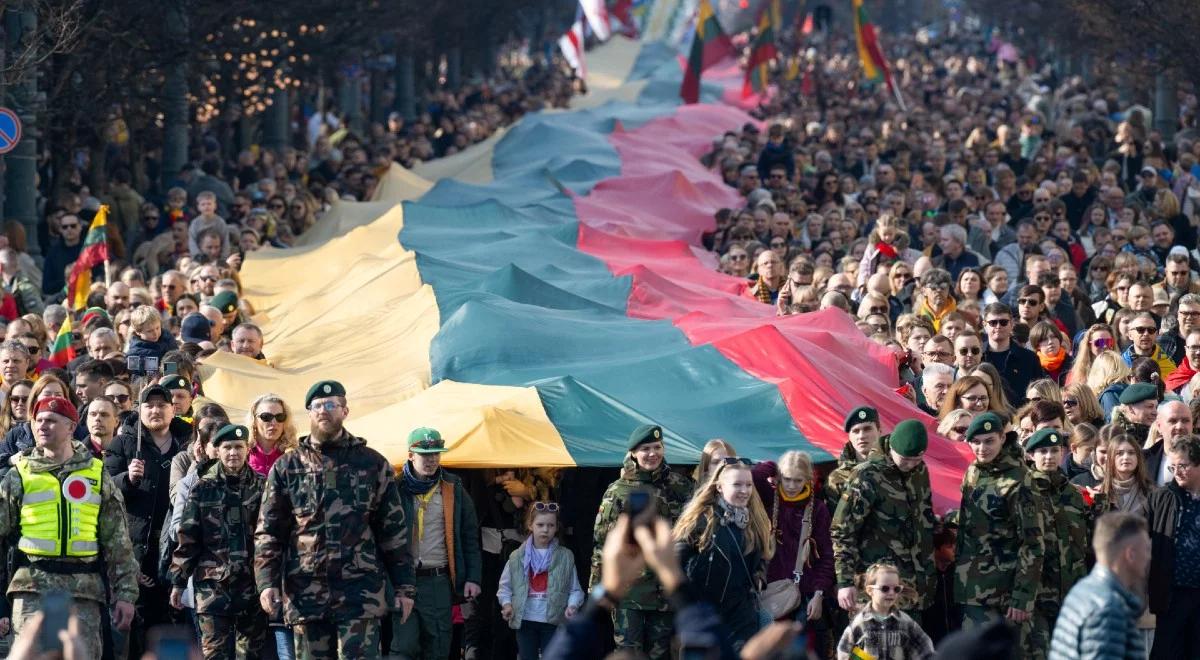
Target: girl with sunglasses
(271, 432)
(881, 629)
(723, 540)
(1096, 340)
(539, 587)
(16, 405)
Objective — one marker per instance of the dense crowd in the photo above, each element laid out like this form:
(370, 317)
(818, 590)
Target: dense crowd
(1024, 246)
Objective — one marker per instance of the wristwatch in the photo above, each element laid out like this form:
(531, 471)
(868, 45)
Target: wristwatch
(601, 597)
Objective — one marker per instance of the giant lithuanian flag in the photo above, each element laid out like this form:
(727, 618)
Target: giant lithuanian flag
(709, 45)
(875, 66)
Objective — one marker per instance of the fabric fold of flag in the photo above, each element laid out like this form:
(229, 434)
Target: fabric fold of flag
(93, 253)
(710, 45)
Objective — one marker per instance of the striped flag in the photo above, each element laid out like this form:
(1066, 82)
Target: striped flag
(61, 353)
(762, 51)
(571, 45)
(597, 18)
(875, 66)
(709, 45)
(94, 253)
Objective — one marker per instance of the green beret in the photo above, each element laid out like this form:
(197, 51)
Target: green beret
(425, 440)
(230, 432)
(643, 434)
(985, 423)
(909, 438)
(1045, 438)
(861, 415)
(1139, 392)
(323, 389)
(175, 382)
(226, 301)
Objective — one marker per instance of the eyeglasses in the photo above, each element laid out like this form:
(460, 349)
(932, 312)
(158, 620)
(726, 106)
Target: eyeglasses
(778, 244)
(969, 350)
(936, 354)
(1188, 315)
(327, 406)
(974, 398)
(902, 276)
(1143, 329)
(1070, 403)
(552, 507)
(1029, 302)
(120, 398)
(1033, 399)
(19, 399)
(960, 430)
(1191, 349)
(206, 278)
(1099, 269)
(73, 225)
(739, 257)
(1041, 217)
(267, 418)
(887, 588)
(276, 205)
(998, 323)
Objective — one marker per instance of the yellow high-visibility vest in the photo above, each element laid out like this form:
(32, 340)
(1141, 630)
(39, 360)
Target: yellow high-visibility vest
(60, 518)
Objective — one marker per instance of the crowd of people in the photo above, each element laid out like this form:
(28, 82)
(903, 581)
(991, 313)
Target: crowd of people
(1024, 246)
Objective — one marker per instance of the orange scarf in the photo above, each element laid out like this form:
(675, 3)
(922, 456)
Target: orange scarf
(1053, 363)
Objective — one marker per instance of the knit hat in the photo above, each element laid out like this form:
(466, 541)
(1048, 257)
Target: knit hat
(909, 438)
(230, 432)
(644, 434)
(323, 389)
(861, 415)
(57, 405)
(1139, 392)
(985, 423)
(1044, 438)
(425, 440)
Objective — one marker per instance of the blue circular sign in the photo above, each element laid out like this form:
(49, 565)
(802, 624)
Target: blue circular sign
(10, 130)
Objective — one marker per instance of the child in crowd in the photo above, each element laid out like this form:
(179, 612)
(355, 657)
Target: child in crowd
(149, 338)
(539, 588)
(880, 629)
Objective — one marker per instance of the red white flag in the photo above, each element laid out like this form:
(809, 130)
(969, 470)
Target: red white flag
(571, 44)
(597, 18)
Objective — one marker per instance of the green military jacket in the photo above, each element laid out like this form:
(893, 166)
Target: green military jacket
(216, 541)
(671, 492)
(1000, 546)
(1065, 534)
(116, 550)
(886, 514)
(331, 529)
(835, 483)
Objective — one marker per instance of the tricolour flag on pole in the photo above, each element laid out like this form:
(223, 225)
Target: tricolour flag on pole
(94, 253)
(597, 17)
(61, 352)
(710, 45)
(875, 66)
(571, 45)
(762, 51)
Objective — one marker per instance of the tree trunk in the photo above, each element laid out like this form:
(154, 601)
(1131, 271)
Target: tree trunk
(175, 104)
(1166, 106)
(276, 122)
(20, 23)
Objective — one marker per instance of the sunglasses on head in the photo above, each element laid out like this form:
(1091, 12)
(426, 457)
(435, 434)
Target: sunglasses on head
(266, 417)
(734, 460)
(552, 507)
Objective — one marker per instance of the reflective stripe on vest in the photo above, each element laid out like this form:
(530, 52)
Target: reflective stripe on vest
(60, 518)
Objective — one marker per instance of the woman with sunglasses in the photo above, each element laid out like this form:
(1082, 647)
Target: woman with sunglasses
(271, 432)
(1082, 405)
(1109, 376)
(723, 540)
(953, 426)
(16, 406)
(1098, 338)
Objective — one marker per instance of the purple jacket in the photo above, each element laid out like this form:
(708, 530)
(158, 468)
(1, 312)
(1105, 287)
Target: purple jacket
(818, 575)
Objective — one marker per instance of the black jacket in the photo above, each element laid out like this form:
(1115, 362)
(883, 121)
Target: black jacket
(727, 577)
(147, 501)
(1165, 506)
(1018, 368)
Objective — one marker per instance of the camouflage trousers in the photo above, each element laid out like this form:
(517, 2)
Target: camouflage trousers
(647, 631)
(978, 616)
(427, 633)
(345, 640)
(26, 604)
(221, 636)
(1040, 629)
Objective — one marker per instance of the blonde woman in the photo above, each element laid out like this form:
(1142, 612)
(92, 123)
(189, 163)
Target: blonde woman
(1043, 389)
(1096, 340)
(1109, 376)
(954, 425)
(272, 432)
(723, 540)
(714, 452)
(1082, 406)
(987, 371)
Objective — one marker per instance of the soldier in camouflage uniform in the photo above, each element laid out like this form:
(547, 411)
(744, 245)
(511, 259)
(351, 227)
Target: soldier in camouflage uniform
(886, 515)
(862, 431)
(216, 537)
(1063, 516)
(331, 530)
(998, 568)
(57, 475)
(643, 621)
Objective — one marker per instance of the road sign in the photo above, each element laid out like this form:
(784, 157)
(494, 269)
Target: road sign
(10, 130)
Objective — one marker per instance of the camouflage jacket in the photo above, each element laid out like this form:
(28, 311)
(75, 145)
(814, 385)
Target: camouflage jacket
(835, 483)
(330, 531)
(1000, 548)
(216, 541)
(886, 514)
(671, 491)
(1065, 534)
(116, 550)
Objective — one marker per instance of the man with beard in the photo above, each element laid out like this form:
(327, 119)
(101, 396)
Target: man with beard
(330, 532)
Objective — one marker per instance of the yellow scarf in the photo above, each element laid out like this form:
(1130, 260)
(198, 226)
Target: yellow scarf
(800, 497)
(937, 316)
(424, 502)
